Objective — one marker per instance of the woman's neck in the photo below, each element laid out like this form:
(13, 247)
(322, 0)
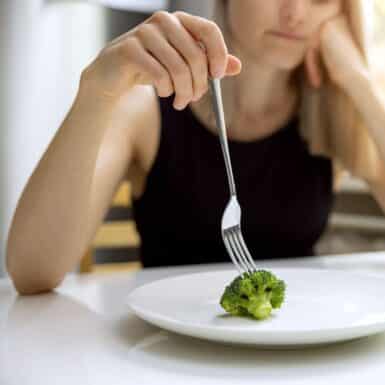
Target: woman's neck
(259, 90)
(260, 100)
(257, 102)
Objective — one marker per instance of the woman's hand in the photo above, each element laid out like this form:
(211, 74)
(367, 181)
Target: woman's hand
(175, 52)
(336, 48)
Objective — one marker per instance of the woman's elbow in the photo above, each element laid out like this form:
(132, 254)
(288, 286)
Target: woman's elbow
(31, 283)
(24, 287)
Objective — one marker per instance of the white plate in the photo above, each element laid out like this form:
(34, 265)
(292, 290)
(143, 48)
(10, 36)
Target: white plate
(322, 306)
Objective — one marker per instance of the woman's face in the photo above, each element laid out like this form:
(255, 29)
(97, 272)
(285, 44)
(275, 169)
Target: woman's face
(278, 31)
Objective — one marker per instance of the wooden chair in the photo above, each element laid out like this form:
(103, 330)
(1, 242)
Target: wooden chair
(116, 236)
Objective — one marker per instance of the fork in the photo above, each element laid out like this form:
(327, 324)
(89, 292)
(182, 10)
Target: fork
(231, 219)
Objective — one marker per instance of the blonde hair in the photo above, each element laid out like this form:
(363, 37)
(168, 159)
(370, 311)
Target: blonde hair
(329, 122)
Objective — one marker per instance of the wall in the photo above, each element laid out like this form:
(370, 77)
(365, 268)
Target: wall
(43, 47)
(196, 7)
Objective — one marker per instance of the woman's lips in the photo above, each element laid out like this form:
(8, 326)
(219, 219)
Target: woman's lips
(289, 36)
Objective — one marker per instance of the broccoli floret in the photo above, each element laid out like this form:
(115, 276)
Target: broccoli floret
(254, 295)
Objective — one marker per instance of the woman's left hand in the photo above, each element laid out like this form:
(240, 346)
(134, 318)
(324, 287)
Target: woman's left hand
(336, 48)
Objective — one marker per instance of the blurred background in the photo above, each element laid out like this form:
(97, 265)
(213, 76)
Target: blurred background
(44, 45)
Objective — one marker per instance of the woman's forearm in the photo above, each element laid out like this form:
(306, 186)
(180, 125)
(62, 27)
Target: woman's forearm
(58, 212)
(48, 230)
(371, 105)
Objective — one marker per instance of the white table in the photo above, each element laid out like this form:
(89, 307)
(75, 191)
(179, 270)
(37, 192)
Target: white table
(85, 335)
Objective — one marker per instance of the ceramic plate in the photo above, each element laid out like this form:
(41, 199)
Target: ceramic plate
(322, 306)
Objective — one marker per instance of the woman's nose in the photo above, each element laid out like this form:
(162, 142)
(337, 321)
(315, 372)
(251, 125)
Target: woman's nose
(293, 13)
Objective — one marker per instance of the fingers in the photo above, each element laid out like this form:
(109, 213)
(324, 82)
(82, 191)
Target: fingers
(313, 68)
(313, 63)
(189, 57)
(148, 70)
(234, 66)
(192, 53)
(176, 53)
(210, 35)
(179, 71)
(313, 58)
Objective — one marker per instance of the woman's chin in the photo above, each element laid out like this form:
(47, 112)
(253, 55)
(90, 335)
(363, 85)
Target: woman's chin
(286, 61)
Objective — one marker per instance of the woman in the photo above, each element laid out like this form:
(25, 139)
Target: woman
(119, 129)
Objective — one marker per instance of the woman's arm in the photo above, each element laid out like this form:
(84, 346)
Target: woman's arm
(369, 101)
(347, 68)
(70, 190)
(72, 186)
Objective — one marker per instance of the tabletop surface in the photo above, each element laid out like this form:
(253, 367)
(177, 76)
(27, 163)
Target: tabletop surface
(85, 334)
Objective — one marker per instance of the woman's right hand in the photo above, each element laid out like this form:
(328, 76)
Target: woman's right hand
(174, 52)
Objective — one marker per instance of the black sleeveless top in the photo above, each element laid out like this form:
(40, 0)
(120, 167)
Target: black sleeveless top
(284, 192)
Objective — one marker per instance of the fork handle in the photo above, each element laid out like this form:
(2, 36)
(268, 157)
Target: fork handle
(215, 86)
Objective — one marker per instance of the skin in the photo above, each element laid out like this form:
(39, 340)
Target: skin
(272, 39)
(112, 129)
(280, 32)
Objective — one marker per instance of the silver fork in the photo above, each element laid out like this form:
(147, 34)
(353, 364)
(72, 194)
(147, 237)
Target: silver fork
(231, 219)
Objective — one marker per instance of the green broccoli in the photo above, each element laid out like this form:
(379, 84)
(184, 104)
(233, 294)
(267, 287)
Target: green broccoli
(254, 295)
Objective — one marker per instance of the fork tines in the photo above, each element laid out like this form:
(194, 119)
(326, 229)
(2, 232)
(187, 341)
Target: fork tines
(238, 250)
